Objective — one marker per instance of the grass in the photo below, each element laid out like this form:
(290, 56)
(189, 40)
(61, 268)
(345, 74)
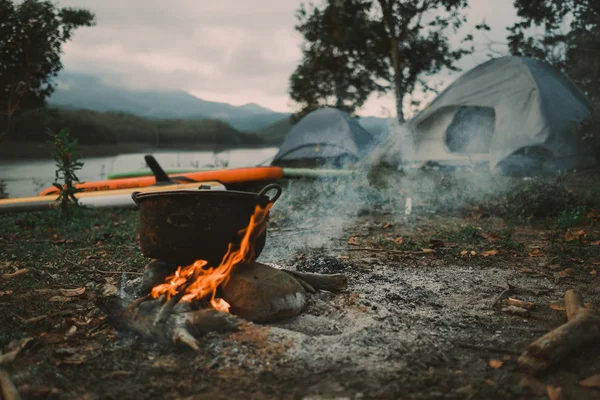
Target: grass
(96, 246)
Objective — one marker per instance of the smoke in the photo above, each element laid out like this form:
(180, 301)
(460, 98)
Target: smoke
(322, 214)
(316, 214)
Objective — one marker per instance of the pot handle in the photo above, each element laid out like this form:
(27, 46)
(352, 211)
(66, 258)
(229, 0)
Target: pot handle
(269, 187)
(134, 196)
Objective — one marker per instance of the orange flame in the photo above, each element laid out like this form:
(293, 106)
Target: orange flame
(197, 281)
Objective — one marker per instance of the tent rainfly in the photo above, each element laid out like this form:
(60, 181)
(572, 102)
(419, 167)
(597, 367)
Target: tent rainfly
(326, 136)
(520, 114)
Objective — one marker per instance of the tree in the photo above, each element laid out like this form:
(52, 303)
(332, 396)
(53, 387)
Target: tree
(393, 44)
(31, 37)
(339, 66)
(571, 41)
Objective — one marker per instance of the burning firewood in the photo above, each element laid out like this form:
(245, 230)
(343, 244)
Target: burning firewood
(251, 290)
(582, 328)
(181, 325)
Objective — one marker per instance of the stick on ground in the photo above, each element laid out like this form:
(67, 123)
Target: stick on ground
(582, 328)
(329, 282)
(14, 274)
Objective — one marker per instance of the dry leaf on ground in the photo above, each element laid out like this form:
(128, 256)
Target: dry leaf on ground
(60, 299)
(595, 243)
(5, 264)
(495, 363)
(13, 349)
(511, 301)
(109, 290)
(490, 236)
(72, 292)
(399, 240)
(387, 225)
(591, 382)
(522, 312)
(554, 393)
(353, 241)
(14, 274)
(575, 235)
(489, 253)
(566, 272)
(535, 253)
(557, 307)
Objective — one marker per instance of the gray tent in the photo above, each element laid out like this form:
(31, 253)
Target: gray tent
(324, 136)
(515, 112)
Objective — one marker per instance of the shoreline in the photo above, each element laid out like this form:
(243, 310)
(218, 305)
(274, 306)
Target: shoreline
(11, 150)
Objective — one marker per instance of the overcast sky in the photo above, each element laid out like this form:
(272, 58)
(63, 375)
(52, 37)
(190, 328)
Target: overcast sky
(235, 51)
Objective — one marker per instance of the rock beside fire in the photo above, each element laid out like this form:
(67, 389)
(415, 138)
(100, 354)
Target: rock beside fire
(155, 273)
(260, 293)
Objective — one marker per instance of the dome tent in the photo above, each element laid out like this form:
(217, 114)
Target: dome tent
(326, 136)
(518, 113)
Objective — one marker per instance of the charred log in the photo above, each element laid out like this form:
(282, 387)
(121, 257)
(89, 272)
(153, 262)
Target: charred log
(582, 328)
(329, 282)
(182, 325)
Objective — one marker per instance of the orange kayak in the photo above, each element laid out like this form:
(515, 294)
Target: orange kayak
(225, 176)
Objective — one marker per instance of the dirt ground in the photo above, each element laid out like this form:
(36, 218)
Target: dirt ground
(423, 317)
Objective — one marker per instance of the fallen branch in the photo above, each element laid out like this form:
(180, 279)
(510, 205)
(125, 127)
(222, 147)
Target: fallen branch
(329, 282)
(583, 327)
(13, 274)
(507, 290)
(180, 325)
(13, 350)
(375, 250)
(9, 391)
(116, 272)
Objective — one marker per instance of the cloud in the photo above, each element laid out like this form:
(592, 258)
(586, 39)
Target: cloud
(228, 50)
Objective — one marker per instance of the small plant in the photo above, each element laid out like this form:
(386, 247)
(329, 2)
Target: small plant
(67, 163)
(3, 192)
(572, 217)
(537, 199)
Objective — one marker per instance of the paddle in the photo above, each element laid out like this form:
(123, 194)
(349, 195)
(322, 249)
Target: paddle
(160, 175)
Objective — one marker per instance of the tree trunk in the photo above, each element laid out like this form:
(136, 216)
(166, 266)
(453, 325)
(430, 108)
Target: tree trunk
(398, 90)
(388, 20)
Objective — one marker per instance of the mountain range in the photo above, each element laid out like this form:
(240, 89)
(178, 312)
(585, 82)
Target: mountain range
(80, 91)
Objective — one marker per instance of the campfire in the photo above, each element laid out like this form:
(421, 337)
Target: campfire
(199, 280)
(180, 302)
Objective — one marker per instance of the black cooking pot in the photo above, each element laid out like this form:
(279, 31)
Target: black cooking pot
(184, 226)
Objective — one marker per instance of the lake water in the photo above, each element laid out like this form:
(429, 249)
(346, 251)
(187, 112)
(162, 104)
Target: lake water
(28, 178)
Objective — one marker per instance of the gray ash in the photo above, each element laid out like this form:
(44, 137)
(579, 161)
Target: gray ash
(322, 265)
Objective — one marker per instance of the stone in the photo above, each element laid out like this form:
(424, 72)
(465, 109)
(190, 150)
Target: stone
(260, 293)
(155, 273)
